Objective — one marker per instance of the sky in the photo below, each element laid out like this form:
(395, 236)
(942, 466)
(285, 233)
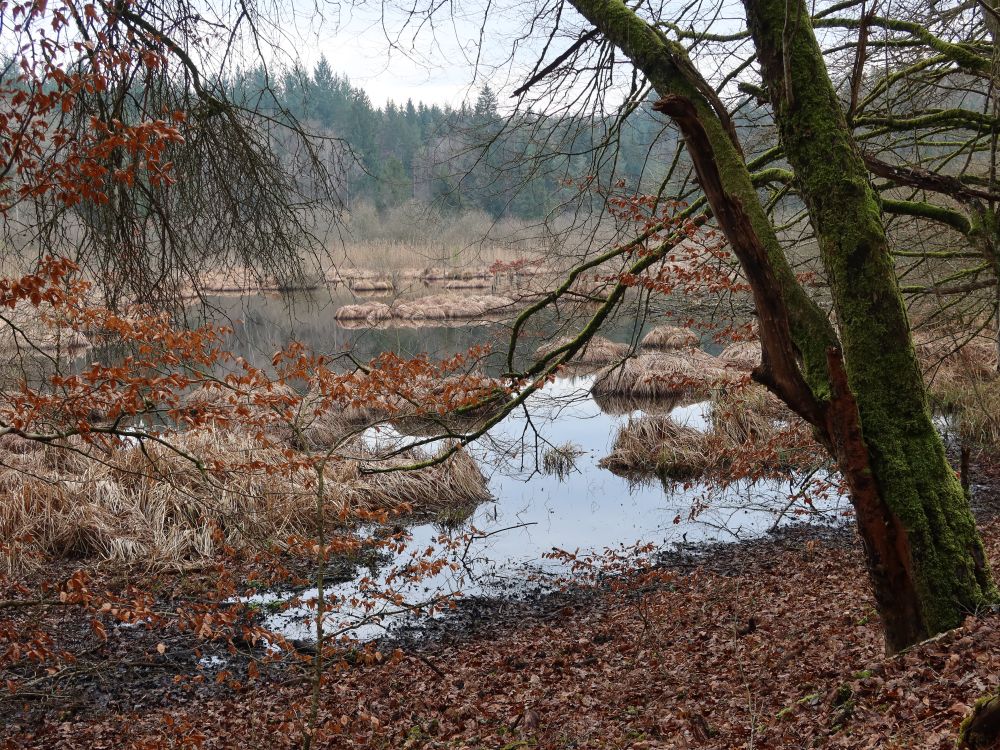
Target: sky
(439, 66)
(375, 46)
(383, 51)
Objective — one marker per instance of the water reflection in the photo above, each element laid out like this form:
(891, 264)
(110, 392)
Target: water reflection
(264, 323)
(534, 511)
(588, 508)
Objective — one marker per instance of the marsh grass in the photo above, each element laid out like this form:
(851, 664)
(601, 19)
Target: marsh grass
(598, 351)
(417, 236)
(961, 375)
(28, 329)
(560, 460)
(434, 307)
(153, 506)
(658, 444)
(752, 435)
(667, 337)
(663, 375)
(742, 355)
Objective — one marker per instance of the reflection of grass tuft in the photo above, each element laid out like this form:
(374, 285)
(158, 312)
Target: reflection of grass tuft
(561, 460)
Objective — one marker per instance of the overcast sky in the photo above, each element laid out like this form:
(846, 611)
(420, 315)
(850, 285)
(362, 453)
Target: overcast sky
(392, 57)
(439, 66)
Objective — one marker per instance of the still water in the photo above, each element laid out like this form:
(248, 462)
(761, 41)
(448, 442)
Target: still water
(500, 549)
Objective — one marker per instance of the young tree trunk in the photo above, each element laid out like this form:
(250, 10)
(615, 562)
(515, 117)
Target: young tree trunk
(867, 404)
(913, 515)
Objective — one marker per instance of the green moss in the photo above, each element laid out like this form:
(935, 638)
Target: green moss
(968, 735)
(906, 456)
(955, 219)
(905, 452)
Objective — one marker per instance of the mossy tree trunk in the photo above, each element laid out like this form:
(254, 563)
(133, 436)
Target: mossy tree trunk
(863, 392)
(922, 527)
(666, 66)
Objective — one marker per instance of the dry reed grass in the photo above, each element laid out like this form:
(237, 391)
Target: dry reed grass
(753, 435)
(468, 284)
(389, 323)
(749, 414)
(560, 460)
(457, 481)
(325, 429)
(369, 312)
(377, 285)
(452, 306)
(450, 275)
(978, 410)
(592, 287)
(416, 236)
(598, 351)
(742, 355)
(662, 375)
(471, 399)
(961, 376)
(659, 444)
(27, 328)
(669, 337)
(157, 508)
(431, 307)
(949, 358)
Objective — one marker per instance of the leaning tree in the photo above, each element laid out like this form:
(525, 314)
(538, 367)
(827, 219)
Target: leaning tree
(850, 372)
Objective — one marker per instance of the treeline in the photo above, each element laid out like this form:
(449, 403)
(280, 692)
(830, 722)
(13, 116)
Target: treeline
(470, 157)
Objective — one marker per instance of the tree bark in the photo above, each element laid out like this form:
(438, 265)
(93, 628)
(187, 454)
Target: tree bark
(779, 368)
(666, 66)
(865, 397)
(924, 551)
(836, 421)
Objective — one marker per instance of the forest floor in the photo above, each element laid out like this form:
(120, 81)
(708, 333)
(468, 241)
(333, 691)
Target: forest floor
(772, 643)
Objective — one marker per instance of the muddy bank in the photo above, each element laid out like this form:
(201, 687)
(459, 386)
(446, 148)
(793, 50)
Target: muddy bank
(533, 602)
(774, 640)
(143, 670)
(663, 660)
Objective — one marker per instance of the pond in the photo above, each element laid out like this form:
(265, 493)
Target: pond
(500, 549)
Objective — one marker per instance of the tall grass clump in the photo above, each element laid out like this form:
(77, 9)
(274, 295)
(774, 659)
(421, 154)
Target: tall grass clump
(415, 235)
(560, 460)
(431, 308)
(663, 375)
(154, 505)
(598, 351)
(665, 338)
(961, 374)
(659, 445)
(752, 435)
(741, 355)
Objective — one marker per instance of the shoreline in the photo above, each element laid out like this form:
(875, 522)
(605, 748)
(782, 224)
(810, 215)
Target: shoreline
(795, 600)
